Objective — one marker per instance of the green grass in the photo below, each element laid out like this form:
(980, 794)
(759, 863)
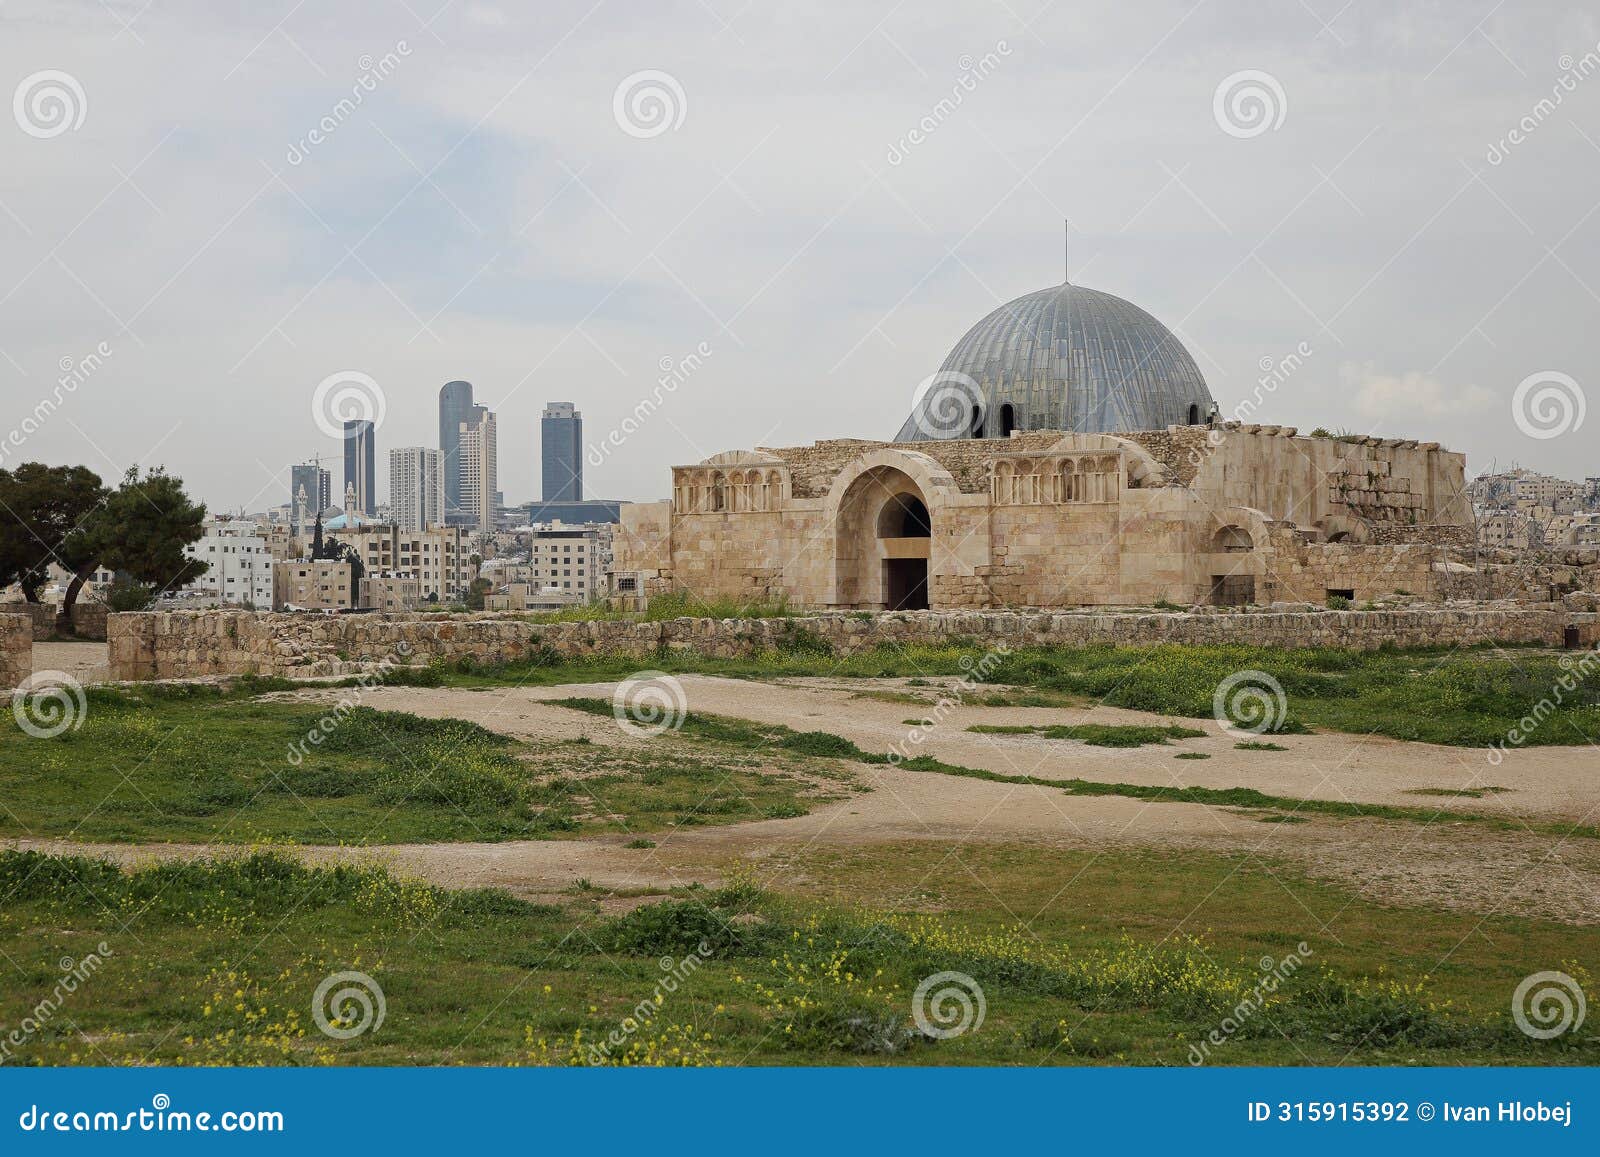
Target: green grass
(217, 963)
(211, 766)
(1191, 755)
(1258, 745)
(1097, 734)
(1461, 697)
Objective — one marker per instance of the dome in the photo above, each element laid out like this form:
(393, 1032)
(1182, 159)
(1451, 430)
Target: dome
(1064, 358)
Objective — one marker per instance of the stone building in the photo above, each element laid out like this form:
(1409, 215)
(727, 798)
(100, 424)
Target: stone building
(1204, 511)
(311, 584)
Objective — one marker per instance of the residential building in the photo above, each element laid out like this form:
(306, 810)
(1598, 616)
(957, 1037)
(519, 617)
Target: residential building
(311, 584)
(439, 559)
(479, 469)
(390, 592)
(416, 487)
(238, 564)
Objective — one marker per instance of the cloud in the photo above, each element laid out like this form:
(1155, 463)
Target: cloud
(1411, 395)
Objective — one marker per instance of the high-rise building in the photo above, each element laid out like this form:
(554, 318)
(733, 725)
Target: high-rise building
(416, 487)
(561, 452)
(310, 492)
(479, 469)
(360, 464)
(455, 407)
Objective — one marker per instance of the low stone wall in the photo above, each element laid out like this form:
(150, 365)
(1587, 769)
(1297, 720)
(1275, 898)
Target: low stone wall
(88, 619)
(185, 644)
(16, 649)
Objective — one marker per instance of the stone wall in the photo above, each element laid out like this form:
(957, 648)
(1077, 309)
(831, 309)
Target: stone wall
(183, 644)
(88, 619)
(16, 649)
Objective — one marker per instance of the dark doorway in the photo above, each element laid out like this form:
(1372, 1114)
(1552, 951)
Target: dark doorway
(1570, 639)
(1008, 421)
(1233, 590)
(977, 421)
(1194, 415)
(905, 584)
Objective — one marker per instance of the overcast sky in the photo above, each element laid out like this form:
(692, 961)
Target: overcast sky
(491, 210)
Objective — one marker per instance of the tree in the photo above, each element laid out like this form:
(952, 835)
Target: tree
(140, 530)
(42, 509)
(475, 592)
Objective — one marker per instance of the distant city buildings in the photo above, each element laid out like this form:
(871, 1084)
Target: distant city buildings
(360, 465)
(455, 408)
(416, 487)
(1522, 509)
(238, 564)
(479, 468)
(310, 493)
(561, 452)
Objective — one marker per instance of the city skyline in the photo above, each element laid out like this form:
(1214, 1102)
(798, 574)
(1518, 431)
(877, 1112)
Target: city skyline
(484, 214)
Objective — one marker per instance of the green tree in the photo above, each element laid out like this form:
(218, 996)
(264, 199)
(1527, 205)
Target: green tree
(139, 531)
(42, 510)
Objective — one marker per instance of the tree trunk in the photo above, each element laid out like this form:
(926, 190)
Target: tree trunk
(70, 598)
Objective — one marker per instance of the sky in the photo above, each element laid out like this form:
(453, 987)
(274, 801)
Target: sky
(210, 210)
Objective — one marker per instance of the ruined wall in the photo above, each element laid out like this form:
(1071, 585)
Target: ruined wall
(183, 644)
(16, 649)
(88, 618)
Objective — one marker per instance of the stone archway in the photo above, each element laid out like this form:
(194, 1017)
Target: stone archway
(882, 542)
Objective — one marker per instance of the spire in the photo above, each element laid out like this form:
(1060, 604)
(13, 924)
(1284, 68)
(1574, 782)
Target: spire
(1066, 251)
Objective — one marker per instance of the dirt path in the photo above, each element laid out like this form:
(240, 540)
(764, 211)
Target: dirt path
(1453, 865)
(1552, 783)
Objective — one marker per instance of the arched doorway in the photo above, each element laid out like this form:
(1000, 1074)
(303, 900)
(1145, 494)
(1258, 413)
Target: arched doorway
(1008, 421)
(883, 539)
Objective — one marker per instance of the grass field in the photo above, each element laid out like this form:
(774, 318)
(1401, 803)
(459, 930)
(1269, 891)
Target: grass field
(1460, 697)
(1138, 960)
(232, 768)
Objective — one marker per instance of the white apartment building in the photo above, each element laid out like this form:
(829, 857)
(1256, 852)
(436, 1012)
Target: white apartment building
(239, 563)
(564, 562)
(479, 469)
(439, 559)
(416, 487)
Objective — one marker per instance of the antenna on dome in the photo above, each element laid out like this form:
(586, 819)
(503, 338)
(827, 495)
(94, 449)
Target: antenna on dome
(1066, 251)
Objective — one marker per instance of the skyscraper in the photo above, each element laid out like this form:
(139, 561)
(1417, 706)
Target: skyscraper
(479, 469)
(416, 487)
(312, 484)
(455, 407)
(360, 464)
(561, 452)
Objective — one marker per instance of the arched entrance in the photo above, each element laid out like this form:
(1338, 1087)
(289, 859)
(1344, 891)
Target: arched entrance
(883, 538)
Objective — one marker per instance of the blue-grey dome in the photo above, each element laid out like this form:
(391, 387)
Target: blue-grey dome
(1064, 358)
